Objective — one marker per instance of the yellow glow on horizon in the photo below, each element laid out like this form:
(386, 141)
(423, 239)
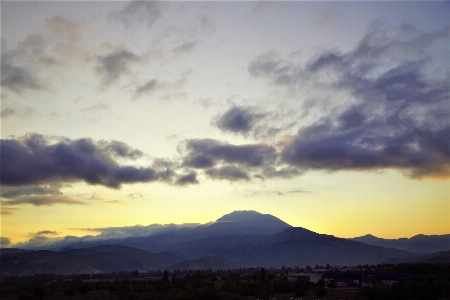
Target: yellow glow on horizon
(386, 205)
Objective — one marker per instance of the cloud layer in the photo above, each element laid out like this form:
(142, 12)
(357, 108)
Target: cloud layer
(390, 118)
(35, 159)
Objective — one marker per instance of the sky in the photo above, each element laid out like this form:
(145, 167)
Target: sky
(332, 116)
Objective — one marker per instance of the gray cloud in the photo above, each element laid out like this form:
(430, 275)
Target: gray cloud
(28, 190)
(135, 196)
(4, 241)
(36, 242)
(231, 173)
(19, 65)
(136, 231)
(204, 153)
(392, 119)
(121, 149)
(18, 78)
(297, 191)
(148, 88)
(239, 119)
(44, 232)
(137, 12)
(279, 171)
(187, 179)
(41, 241)
(42, 200)
(112, 66)
(96, 107)
(35, 195)
(185, 47)
(33, 159)
(10, 111)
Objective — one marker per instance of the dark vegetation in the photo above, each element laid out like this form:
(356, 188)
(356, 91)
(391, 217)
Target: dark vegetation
(421, 281)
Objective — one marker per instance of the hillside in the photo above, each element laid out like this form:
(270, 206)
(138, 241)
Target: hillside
(209, 262)
(417, 244)
(104, 258)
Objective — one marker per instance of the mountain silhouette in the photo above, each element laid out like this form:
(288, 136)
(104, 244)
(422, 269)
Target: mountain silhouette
(240, 238)
(420, 243)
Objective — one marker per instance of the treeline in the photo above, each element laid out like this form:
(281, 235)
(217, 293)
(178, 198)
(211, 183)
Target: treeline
(429, 281)
(430, 288)
(192, 286)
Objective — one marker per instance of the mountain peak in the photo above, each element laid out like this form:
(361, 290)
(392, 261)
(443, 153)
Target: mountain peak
(249, 216)
(369, 236)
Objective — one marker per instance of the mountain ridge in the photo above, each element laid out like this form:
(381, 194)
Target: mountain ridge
(419, 243)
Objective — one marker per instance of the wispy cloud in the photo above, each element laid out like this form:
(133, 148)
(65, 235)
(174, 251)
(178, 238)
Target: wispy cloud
(138, 12)
(99, 106)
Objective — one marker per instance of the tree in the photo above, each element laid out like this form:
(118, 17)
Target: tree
(332, 284)
(70, 291)
(262, 275)
(84, 288)
(321, 291)
(321, 282)
(166, 276)
(39, 292)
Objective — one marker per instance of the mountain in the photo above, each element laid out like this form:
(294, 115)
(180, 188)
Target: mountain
(103, 258)
(299, 246)
(209, 262)
(241, 238)
(12, 250)
(291, 247)
(417, 244)
(441, 257)
(237, 223)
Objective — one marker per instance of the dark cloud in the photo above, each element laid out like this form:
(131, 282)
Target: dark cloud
(34, 159)
(96, 107)
(351, 119)
(238, 119)
(44, 200)
(18, 78)
(9, 111)
(148, 87)
(390, 120)
(19, 65)
(205, 153)
(4, 241)
(275, 171)
(266, 65)
(121, 149)
(112, 66)
(231, 173)
(135, 196)
(416, 153)
(35, 195)
(185, 47)
(44, 232)
(30, 190)
(296, 191)
(137, 12)
(187, 179)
